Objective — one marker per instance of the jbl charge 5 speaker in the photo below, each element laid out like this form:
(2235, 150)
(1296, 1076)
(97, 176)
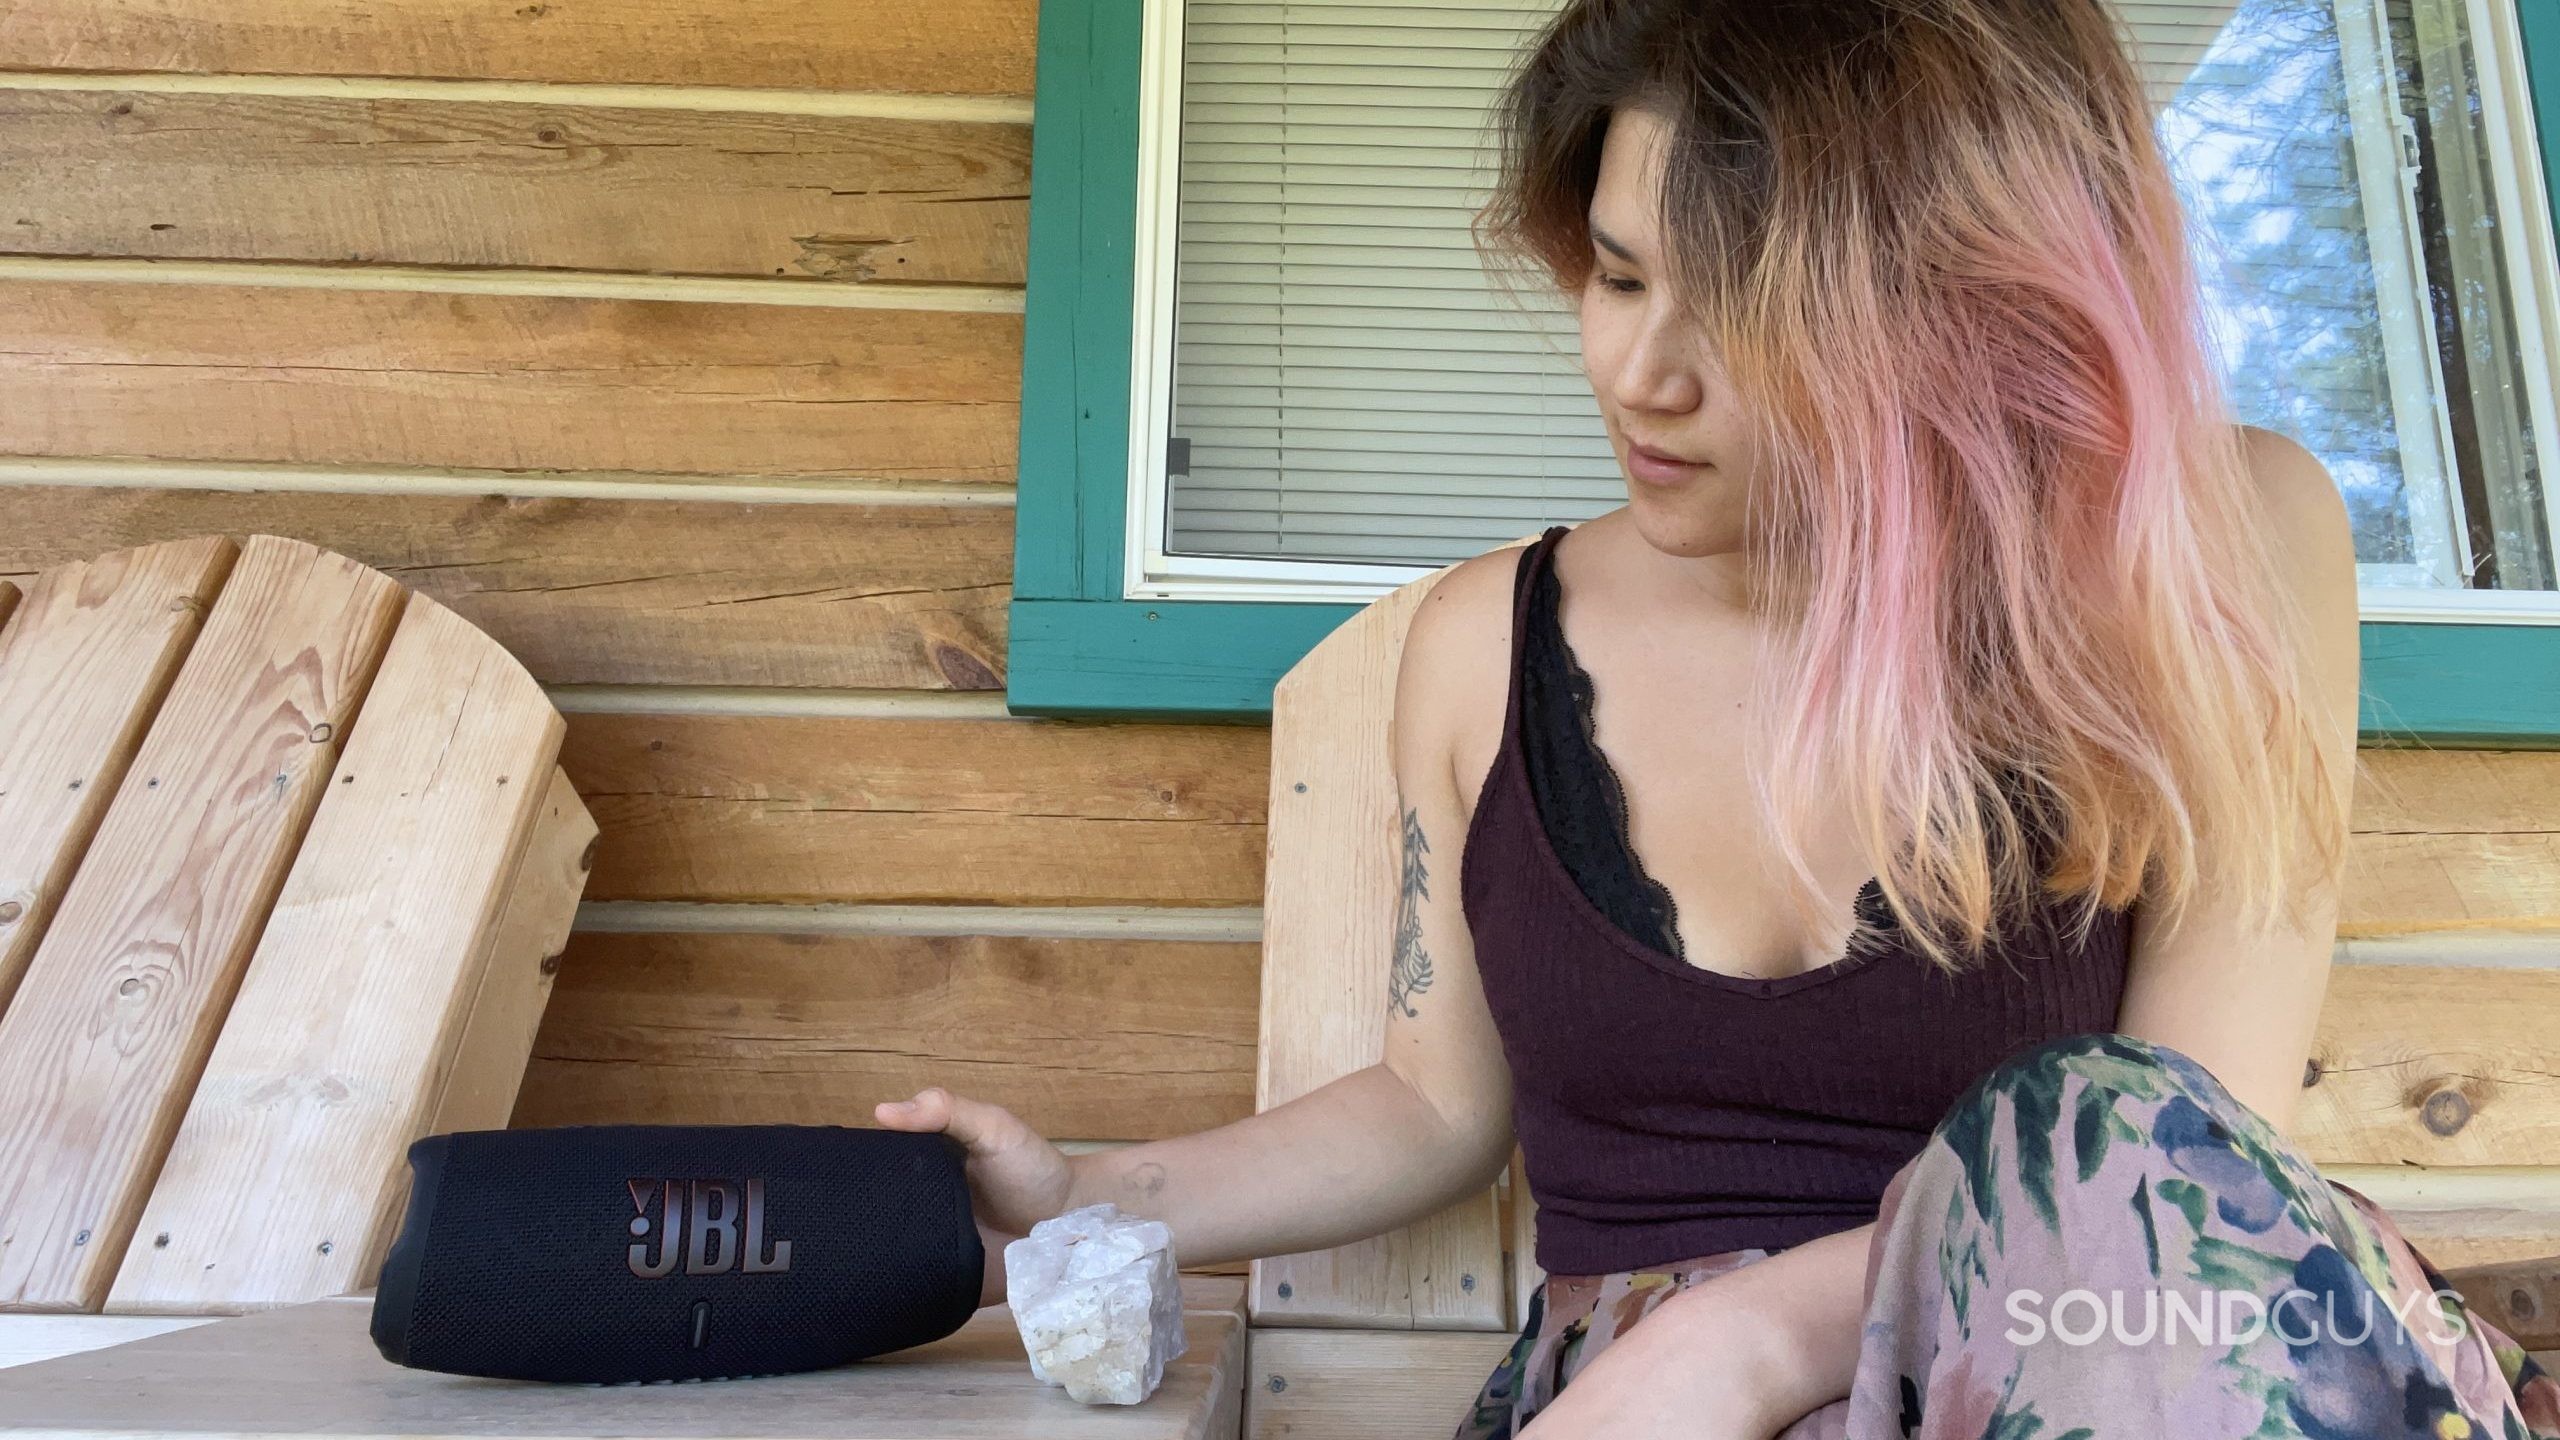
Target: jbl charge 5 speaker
(620, 1253)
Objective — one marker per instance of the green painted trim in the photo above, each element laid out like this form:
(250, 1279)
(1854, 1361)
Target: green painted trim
(1190, 661)
(1079, 648)
(1072, 476)
(2495, 685)
(2475, 685)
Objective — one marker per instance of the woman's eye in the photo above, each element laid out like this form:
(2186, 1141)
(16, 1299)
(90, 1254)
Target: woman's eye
(1620, 284)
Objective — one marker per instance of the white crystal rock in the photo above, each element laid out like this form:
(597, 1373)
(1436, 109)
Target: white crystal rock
(1098, 1302)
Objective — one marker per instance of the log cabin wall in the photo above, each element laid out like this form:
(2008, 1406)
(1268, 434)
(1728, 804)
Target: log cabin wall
(677, 344)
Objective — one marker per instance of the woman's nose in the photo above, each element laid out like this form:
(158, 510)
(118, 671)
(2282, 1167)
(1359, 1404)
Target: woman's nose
(1660, 370)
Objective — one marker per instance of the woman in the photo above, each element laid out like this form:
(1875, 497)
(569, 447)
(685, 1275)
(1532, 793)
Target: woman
(1942, 570)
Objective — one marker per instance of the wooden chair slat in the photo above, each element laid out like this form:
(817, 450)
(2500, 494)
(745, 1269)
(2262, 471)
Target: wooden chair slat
(524, 959)
(1363, 1385)
(363, 982)
(1329, 903)
(83, 666)
(1520, 1227)
(121, 1003)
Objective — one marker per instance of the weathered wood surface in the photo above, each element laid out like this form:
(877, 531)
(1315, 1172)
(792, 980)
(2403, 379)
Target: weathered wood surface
(549, 186)
(631, 592)
(82, 670)
(311, 1369)
(1090, 1039)
(373, 958)
(25, 1339)
(2436, 1066)
(507, 382)
(2451, 840)
(123, 998)
(1010, 812)
(961, 47)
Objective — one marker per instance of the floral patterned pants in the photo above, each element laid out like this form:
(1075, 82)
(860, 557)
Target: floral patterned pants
(2099, 1242)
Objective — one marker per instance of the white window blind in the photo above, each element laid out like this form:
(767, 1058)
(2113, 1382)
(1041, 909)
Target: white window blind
(1348, 386)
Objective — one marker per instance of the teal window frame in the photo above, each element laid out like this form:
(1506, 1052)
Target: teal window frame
(1080, 648)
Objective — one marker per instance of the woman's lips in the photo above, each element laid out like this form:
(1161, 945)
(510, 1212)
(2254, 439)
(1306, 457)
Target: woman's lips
(1658, 468)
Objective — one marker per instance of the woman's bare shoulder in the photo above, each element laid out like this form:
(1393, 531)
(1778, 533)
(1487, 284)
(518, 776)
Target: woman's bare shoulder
(2309, 510)
(2315, 540)
(1455, 674)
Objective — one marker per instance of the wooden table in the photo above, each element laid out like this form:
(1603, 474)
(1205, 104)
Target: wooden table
(311, 1370)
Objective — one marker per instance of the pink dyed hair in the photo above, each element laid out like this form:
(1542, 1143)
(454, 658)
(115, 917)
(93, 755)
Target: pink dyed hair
(2007, 538)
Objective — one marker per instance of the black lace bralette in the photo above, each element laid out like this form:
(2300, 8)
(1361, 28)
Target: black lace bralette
(1581, 804)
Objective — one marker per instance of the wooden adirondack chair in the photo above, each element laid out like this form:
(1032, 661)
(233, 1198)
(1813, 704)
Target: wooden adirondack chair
(2418, 1065)
(286, 862)
(343, 802)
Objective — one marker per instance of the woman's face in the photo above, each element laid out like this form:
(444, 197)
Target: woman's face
(1686, 453)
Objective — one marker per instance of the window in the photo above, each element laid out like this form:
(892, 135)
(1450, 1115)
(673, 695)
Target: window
(2373, 220)
(1332, 398)
(2376, 251)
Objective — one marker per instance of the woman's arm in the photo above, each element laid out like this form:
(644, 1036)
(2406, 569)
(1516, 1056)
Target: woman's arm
(1739, 1357)
(1429, 1124)
(2244, 1005)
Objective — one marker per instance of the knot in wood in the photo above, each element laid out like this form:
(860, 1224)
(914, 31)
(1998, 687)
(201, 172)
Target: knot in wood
(2446, 1111)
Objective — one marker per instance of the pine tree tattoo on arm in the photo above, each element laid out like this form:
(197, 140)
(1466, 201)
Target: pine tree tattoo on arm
(1410, 974)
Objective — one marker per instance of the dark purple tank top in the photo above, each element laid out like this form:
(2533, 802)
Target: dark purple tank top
(1665, 1111)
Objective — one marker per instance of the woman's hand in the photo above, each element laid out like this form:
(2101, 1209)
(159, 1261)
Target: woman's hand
(1742, 1356)
(1686, 1371)
(1016, 1178)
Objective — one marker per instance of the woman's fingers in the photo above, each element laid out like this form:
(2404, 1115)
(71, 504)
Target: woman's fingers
(1017, 1177)
(984, 1128)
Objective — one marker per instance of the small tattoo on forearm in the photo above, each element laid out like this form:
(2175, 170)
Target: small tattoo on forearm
(1410, 974)
(1146, 1180)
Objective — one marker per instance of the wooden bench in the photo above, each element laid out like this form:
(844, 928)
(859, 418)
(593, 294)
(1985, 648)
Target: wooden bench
(2435, 1083)
(311, 1370)
(286, 863)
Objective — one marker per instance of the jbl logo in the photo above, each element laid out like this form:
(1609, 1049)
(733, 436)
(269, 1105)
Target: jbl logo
(700, 1223)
